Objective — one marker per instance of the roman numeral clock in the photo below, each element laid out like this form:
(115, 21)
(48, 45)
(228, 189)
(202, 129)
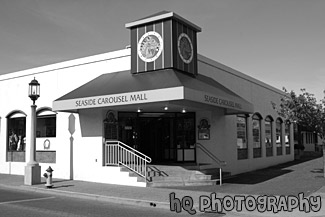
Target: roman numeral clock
(163, 40)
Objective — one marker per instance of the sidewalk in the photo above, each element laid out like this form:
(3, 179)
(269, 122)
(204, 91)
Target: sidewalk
(300, 177)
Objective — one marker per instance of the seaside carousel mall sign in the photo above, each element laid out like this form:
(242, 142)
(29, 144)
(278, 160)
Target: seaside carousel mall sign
(157, 95)
(174, 93)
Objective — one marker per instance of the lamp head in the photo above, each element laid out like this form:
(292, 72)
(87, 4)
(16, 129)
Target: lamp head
(34, 90)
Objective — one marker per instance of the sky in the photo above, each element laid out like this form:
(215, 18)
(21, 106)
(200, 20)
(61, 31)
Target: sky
(280, 42)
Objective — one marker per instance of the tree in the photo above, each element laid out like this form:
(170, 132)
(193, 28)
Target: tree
(305, 111)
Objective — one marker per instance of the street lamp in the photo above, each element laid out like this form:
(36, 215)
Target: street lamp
(33, 169)
(34, 90)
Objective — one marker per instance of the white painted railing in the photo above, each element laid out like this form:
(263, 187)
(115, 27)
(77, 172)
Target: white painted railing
(219, 162)
(118, 153)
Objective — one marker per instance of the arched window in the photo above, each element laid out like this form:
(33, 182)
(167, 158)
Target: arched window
(110, 126)
(278, 131)
(16, 136)
(242, 147)
(268, 136)
(287, 136)
(45, 123)
(257, 150)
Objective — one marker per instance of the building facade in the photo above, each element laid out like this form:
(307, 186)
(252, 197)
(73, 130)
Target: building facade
(158, 97)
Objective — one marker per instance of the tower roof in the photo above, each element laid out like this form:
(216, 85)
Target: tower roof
(160, 16)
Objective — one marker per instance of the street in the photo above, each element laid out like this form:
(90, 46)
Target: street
(16, 203)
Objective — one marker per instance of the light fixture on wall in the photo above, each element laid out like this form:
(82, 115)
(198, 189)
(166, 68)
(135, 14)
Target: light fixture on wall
(33, 169)
(139, 110)
(166, 108)
(183, 110)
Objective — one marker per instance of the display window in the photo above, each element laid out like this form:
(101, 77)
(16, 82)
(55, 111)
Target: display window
(268, 136)
(257, 151)
(287, 136)
(278, 130)
(45, 124)
(242, 146)
(16, 136)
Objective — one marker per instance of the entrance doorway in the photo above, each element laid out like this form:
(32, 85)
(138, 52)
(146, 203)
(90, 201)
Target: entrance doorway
(165, 137)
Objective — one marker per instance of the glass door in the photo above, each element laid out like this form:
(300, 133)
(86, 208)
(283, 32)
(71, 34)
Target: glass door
(185, 137)
(165, 137)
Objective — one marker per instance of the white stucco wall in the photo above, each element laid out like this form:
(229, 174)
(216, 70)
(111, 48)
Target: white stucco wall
(224, 128)
(80, 155)
(57, 80)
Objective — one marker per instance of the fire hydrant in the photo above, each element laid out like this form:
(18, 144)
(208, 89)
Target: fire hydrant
(48, 176)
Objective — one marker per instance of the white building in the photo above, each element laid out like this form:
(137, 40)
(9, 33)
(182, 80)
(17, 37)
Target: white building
(158, 97)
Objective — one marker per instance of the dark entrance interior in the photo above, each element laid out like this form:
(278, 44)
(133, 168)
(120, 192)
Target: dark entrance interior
(165, 137)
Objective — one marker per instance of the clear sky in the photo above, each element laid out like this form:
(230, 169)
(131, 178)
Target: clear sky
(280, 42)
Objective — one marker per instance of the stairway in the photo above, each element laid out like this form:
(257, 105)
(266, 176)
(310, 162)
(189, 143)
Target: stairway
(180, 175)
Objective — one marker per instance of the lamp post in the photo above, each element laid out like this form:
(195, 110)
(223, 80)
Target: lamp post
(32, 169)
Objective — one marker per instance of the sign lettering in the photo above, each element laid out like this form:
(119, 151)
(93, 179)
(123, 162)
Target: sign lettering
(111, 100)
(222, 102)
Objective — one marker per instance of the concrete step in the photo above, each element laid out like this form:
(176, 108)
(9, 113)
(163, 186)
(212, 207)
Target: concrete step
(171, 175)
(180, 178)
(181, 183)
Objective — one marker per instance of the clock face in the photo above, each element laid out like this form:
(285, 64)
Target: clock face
(150, 46)
(185, 48)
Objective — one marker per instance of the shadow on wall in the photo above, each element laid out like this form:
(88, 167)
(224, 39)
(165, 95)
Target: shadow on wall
(72, 129)
(91, 123)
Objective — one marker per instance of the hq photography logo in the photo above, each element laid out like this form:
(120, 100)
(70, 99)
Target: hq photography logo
(250, 203)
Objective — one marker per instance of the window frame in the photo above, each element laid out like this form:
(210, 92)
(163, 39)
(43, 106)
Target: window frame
(46, 113)
(17, 153)
(257, 151)
(242, 153)
(279, 122)
(287, 127)
(269, 145)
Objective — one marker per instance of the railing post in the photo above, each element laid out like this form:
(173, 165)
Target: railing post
(196, 158)
(220, 175)
(105, 161)
(118, 153)
(145, 170)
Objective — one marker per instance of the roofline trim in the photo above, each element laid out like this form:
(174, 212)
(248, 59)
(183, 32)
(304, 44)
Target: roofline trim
(161, 17)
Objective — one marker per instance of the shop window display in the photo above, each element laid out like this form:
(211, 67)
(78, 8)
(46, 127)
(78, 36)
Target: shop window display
(268, 136)
(257, 151)
(16, 137)
(279, 136)
(242, 148)
(287, 137)
(46, 126)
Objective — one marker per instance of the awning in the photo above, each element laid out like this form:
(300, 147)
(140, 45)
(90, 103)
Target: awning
(124, 88)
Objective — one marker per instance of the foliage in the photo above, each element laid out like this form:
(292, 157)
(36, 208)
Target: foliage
(304, 110)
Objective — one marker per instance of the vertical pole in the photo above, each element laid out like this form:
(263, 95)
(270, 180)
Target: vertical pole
(32, 159)
(196, 156)
(118, 153)
(220, 175)
(145, 170)
(323, 159)
(32, 169)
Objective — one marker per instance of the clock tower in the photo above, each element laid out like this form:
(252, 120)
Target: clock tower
(161, 41)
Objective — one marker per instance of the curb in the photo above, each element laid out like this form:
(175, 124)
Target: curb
(137, 202)
(111, 199)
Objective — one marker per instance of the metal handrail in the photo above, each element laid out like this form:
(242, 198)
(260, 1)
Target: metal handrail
(134, 150)
(118, 153)
(213, 157)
